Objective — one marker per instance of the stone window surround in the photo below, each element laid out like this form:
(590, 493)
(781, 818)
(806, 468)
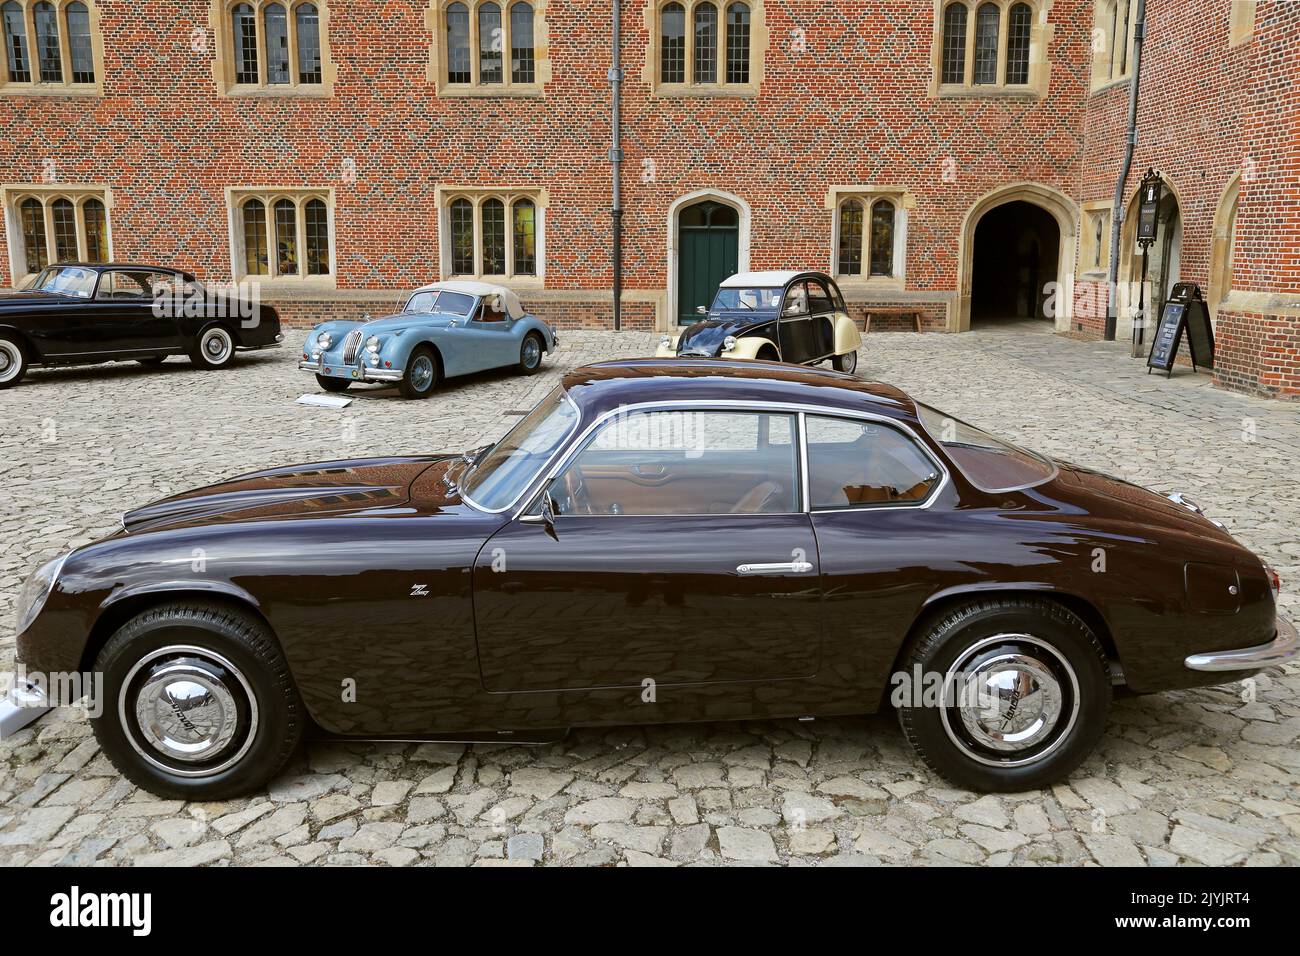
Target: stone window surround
(436, 22)
(269, 195)
(1100, 74)
(903, 202)
(758, 43)
(477, 195)
(1040, 37)
(67, 87)
(77, 194)
(1088, 236)
(1241, 22)
(223, 62)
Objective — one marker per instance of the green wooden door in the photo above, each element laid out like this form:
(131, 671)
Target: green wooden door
(708, 236)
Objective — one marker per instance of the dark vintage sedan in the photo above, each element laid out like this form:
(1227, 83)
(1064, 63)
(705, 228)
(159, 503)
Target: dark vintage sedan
(690, 540)
(796, 317)
(78, 314)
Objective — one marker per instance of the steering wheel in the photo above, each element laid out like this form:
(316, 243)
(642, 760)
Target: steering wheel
(576, 500)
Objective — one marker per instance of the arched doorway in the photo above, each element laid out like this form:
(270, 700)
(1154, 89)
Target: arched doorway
(1024, 196)
(1164, 264)
(708, 247)
(1017, 248)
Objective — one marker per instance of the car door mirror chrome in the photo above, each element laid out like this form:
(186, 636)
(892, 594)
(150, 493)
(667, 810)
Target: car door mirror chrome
(784, 567)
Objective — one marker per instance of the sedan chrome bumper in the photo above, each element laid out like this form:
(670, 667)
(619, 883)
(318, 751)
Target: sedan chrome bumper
(23, 704)
(1281, 649)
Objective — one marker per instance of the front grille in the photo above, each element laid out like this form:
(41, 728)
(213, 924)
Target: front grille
(351, 346)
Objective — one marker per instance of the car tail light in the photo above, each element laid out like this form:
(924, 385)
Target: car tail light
(1274, 582)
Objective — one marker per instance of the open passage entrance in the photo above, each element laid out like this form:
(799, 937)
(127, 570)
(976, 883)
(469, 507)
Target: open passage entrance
(1015, 255)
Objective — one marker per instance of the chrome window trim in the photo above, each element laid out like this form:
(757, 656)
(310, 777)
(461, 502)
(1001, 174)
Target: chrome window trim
(561, 458)
(925, 502)
(565, 442)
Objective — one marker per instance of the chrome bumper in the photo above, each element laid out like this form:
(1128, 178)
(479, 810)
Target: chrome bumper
(1280, 650)
(359, 375)
(23, 704)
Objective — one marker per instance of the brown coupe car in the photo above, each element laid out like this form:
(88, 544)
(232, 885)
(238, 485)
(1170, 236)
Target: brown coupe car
(678, 540)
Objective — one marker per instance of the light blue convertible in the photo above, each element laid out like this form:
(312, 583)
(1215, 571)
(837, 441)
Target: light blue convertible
(447, 328)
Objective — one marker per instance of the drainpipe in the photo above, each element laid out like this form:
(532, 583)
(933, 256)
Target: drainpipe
(616, 161)
(1117, 213)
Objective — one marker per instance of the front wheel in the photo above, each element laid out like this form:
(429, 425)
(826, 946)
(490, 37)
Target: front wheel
(530, 354)
(1013, 695)
(848, 362)
(331, 384)
(13, 361)
(214, 348)
(198, 702)
(421, 375)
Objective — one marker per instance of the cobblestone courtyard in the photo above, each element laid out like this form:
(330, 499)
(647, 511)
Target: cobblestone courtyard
(1207, 776)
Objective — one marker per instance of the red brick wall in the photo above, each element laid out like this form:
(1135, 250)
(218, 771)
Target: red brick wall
(849, 106)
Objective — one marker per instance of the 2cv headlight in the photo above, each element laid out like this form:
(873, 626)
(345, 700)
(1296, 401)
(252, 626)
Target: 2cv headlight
(666, 342)
(729, 343)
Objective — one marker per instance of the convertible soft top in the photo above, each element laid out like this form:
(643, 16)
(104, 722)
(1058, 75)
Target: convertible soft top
(514, 307)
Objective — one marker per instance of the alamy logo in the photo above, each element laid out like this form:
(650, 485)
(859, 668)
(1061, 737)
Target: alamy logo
(73, 909)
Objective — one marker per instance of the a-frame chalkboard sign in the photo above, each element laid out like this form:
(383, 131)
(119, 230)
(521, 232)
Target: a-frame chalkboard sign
(1185, 311)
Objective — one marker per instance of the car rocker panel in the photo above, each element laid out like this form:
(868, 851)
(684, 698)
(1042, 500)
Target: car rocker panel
(787, 542)
(797, 317)
(446, 329)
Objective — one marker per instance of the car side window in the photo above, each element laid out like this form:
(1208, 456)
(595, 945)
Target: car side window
(685, 462)
(489, 314)
(819, 299)
(858, 464)
(796, 300)
(129, 286)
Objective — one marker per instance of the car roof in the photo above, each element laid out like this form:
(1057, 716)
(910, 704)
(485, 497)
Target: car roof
(605, 386)
(481, 290)
(105, 266)
(764, 280)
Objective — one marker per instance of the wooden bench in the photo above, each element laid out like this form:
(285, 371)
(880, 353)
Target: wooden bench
(913, 314)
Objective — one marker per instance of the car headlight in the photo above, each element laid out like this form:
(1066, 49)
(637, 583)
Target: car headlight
(372, 344)
(324, 339)
(37, 590)
(666, 342)
(729, 343)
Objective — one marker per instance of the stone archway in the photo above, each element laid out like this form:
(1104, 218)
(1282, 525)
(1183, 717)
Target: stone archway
(1052, 201)
(674, 264)
(1164, 261)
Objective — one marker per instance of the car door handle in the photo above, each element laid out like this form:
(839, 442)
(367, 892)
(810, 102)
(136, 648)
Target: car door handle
(785, 567)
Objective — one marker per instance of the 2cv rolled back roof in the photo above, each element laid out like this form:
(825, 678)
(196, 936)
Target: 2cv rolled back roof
(606, 386)
(483, 290)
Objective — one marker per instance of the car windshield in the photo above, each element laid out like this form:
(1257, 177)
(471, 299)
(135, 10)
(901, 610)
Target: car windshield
(440, 301)
(989, 463)
(497, 479)
(66, 280)
(746, 300)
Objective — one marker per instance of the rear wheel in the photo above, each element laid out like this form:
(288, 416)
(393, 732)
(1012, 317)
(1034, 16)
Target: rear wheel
(848, 362)
(214, 348)
(421, 375)
(198, 702)
(333, 384)
(530, 353)
(1025, 694)
(13, 361)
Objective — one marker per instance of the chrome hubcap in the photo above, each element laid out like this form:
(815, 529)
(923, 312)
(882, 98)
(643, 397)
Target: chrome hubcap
(9, 361)
(422, 373)
(216, 345)
(1010, 699)
(851, 362)
(532, 353)
(188, 710)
